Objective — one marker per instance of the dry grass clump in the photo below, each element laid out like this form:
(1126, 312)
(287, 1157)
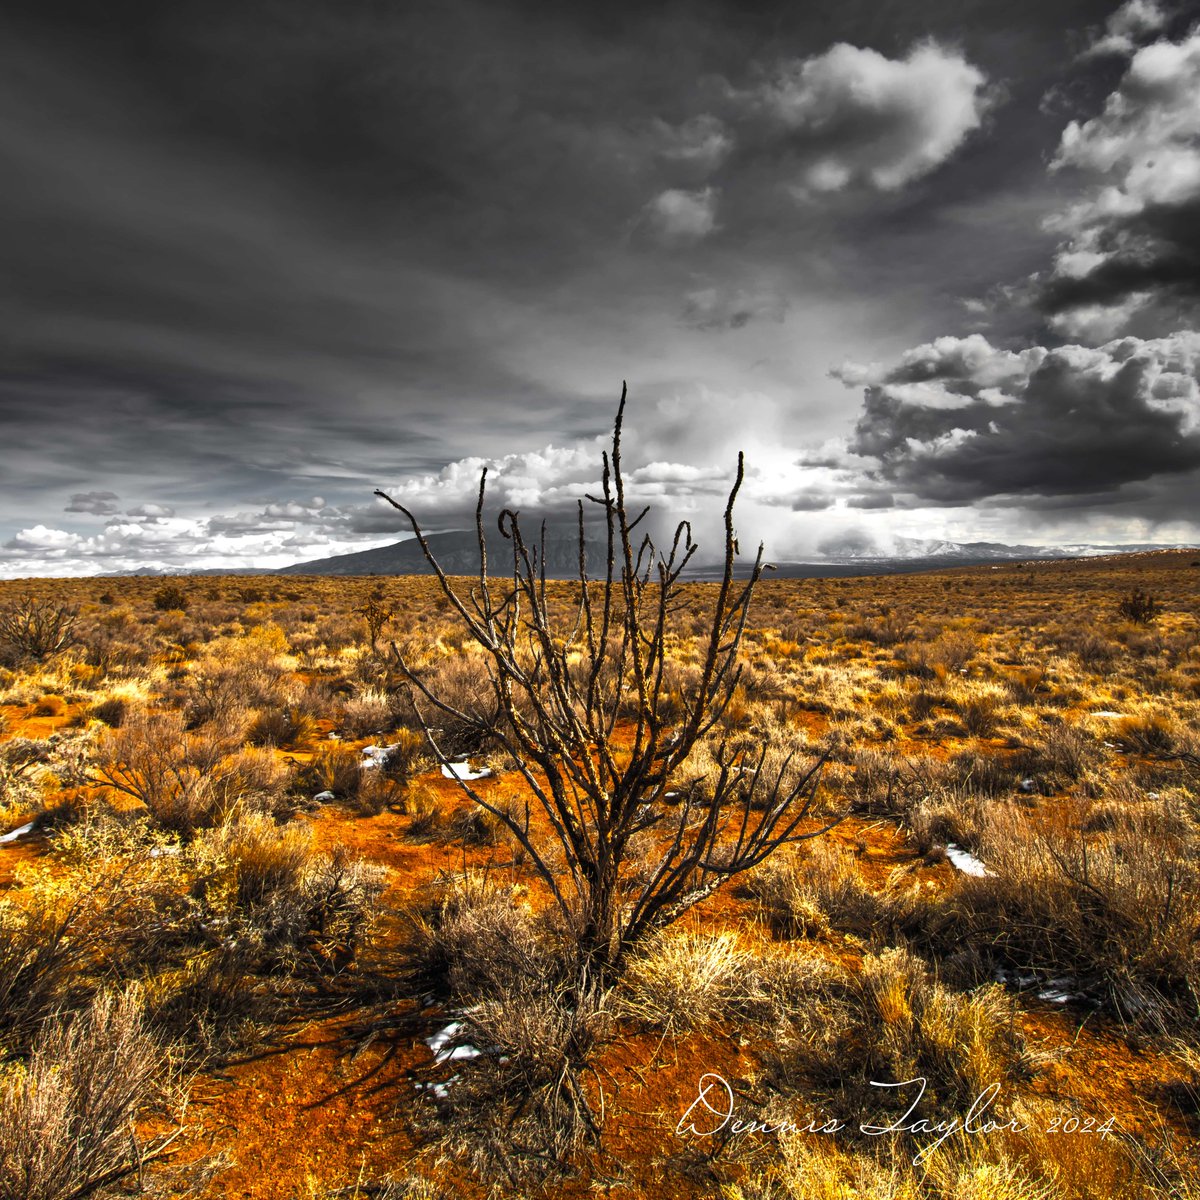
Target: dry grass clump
(67, 1114)
(335, 768)
(810, 1170)
(519, 1109)
(1149, 733)
(949, 815)
(685, 979)
(1116, 912)
(111, 710)
(810, 892)
(288, 727)
(371, 711)
(428, 814)
(961, 1043)
(895, 1022)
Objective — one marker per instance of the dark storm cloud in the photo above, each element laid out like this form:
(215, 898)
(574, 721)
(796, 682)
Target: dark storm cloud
(1073, 421)
(731, 308)
(810, 502)
(253, 250)
(100, 504)
(1131, 240)
(1155, 252)
(1103, 435)
(874, 500)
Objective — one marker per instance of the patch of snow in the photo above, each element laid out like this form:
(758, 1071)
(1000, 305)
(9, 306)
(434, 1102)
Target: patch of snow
(462, 770)
(1026, 785)
(440, 1090)
(374, 757)
(324, 797)
(443, 1051)
(966, 862)
(159, 851)
(1106, 712)
(1057, 991)
(1054, 991)
(17, 833)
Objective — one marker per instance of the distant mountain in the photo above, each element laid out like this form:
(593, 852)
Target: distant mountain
(175, 572)
(457, 553)
(857, 548)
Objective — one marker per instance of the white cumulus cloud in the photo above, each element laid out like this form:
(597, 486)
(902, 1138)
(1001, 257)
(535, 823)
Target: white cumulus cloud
(852, 115)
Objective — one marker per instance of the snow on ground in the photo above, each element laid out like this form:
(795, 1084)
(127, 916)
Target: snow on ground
(966, 862)
(17, 833)
(462, 770)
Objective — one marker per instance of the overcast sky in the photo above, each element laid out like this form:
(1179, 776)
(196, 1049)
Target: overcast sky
(934, 267)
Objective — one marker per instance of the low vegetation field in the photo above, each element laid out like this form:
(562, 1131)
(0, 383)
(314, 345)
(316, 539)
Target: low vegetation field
(257, 941)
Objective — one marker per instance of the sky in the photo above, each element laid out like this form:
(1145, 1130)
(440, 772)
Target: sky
(934, 268)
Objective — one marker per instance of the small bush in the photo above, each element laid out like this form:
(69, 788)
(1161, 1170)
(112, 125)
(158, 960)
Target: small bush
(171, 598)
(36, 629)
(111, 710)
(1139, 607)
(283, 727)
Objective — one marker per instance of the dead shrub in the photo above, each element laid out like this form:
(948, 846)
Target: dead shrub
(67, 1116)
(1139, 607)
(37, 629)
